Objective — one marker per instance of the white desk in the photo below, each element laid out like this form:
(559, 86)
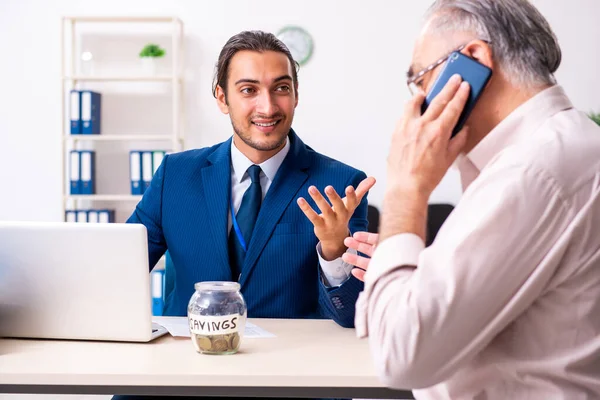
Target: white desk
(308, 358)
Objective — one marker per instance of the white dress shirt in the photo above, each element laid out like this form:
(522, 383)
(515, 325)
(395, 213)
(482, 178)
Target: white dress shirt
(505, 304)
(337, 271)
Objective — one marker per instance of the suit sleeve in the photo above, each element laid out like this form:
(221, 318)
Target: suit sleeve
(338, 302)
(148, 212)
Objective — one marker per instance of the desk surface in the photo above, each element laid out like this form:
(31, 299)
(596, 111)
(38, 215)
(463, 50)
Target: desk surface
(312, 358)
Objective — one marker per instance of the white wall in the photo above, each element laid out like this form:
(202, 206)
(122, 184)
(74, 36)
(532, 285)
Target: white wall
(351, 92)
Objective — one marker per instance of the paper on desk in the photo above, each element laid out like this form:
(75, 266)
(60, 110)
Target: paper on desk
(254, 331)
(179, 327)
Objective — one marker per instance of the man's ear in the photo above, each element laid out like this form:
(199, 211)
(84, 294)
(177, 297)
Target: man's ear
(296, 93)
(480, 51)
(221, 100)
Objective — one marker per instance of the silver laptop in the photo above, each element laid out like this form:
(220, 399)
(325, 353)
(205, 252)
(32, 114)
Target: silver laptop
(75, 281)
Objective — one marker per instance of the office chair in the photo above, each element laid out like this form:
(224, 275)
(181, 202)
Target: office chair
(436, 215)
(373, 218)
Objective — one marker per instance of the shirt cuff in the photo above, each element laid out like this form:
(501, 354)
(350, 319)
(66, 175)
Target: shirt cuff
(396, 251)
(336, 271)
(360, 316)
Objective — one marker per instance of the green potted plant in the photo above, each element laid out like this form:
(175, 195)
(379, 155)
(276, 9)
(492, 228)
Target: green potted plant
(149, 54)
(595, 117)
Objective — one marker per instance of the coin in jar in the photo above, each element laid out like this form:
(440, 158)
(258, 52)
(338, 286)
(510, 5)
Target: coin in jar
(204, 343)
(219, 343)
(234, 341)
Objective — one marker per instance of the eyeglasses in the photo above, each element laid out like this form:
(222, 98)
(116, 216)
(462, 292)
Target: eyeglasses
(414, 82)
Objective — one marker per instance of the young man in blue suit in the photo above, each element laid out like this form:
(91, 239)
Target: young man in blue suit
(234, 211)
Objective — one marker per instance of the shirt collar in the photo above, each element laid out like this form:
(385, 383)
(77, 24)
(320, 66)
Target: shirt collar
(240, 163)
(519, 124)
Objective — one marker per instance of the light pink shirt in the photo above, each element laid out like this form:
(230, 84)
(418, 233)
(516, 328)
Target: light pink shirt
(505, 304)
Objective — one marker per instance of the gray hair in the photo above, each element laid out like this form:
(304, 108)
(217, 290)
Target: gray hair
(522, 41)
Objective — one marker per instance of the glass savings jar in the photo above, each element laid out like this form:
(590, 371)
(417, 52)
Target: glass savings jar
(217, 317)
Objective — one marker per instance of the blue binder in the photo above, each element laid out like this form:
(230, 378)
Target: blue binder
(75, 172)
(88, 172)
(146, 170)
(82, 216)
(75, 112)
(70, 216)
(157, 157)
(135, 172)
(90, 112)
(106, 216)
(92, 216)
(157, 282)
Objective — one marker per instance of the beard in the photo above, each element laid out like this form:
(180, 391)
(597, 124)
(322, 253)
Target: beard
(258, 145)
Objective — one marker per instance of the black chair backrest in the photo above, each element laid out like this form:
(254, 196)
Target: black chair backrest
(436, 215)
(373, 218)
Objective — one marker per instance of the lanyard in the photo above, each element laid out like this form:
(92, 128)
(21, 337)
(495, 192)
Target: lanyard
(237, 229)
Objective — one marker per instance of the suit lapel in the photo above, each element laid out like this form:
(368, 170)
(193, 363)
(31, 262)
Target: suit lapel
(216, 184)
(288, 181)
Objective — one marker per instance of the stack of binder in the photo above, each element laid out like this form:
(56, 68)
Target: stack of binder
(85, 112)
(100, 216)
(82, 172)
(142, 166)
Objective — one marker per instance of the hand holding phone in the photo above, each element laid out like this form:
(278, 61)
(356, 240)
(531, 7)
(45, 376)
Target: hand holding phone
(474, 73)
(421, 150)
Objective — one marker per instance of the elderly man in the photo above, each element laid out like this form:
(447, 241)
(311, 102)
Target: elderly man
(505, 304)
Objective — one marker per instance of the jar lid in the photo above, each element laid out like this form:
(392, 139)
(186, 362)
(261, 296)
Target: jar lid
(217, 286)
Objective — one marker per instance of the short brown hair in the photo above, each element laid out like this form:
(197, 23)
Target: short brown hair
(258, 41)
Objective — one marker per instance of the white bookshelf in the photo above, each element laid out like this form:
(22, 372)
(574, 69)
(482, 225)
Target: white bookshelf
(124, 78)
(123, 19)
(71, 78)
(104, 197)
(118, 138)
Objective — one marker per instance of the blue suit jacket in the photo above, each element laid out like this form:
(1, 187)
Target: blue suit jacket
(185, 211)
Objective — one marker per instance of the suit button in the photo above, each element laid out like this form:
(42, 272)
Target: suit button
(337, 302)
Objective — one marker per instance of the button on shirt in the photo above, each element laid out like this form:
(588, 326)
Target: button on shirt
(505, 304)
(336, 271)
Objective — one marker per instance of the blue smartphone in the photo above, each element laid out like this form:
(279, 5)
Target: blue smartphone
(476, 74)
